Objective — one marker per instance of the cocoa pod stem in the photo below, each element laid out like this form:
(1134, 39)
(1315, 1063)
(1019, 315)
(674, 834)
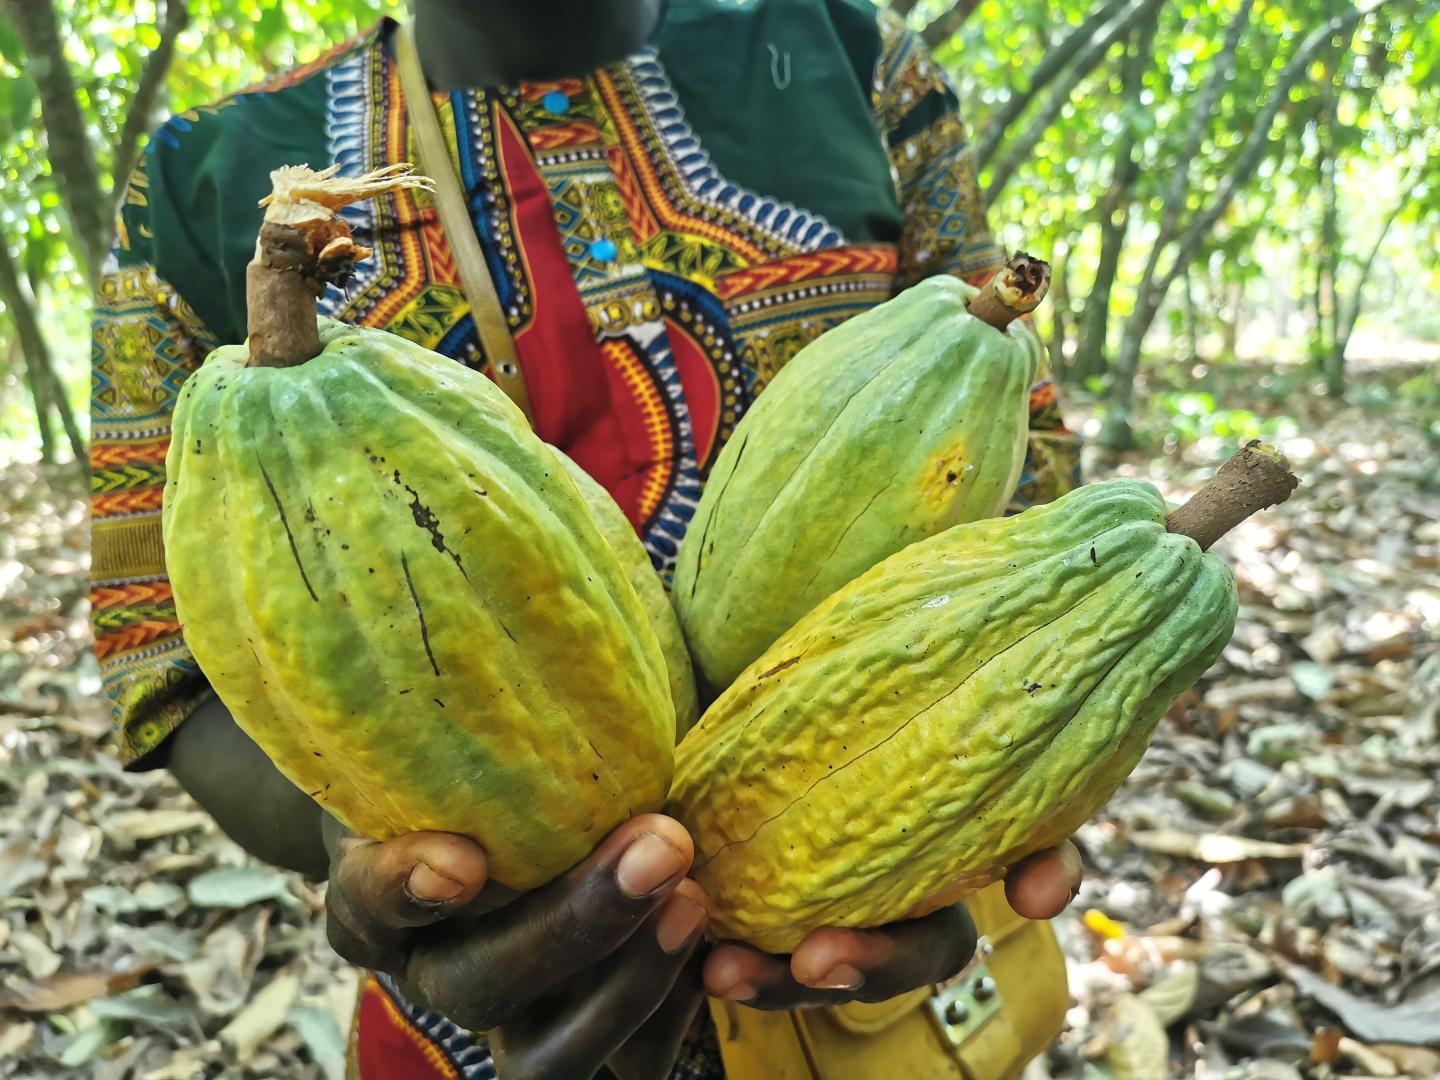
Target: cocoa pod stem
(1016, 289)
(304, 245)
(1257, 476)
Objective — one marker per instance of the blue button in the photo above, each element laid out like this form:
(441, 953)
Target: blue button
(604, 251)
(556, 102)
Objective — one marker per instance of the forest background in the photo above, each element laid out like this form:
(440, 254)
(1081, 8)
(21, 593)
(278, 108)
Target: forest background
(1241, 202)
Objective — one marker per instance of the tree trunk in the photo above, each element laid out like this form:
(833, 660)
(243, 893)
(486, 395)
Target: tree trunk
(45, 389)
(903, 7)
(939, 31)
(1056, 59)
(1235, 308)
(1059, 310)
(1345, 326)
(1192, 320)
(1114, 209)
(1018, 151)
(72, 160)
(147, 95)
(1328, 255)
(39, 398)
(1116, 432)
(1095, 324)
(61, 401)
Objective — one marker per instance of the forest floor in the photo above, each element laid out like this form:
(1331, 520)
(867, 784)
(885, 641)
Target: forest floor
(1262, 898)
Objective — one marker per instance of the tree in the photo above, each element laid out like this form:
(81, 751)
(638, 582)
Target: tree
(1113, 211)
(45, 389)
(1086, 60)
(81, 86)
(88, 201)
(1184, 244)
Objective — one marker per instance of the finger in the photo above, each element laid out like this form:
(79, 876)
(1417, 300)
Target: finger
(834, 965)
(574, 1033)
(482, 973)
(735, 972)
(1041, 886)
(651, 1052)
(381, 892)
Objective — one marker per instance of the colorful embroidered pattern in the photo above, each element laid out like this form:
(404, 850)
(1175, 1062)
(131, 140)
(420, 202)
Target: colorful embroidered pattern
(650, 296)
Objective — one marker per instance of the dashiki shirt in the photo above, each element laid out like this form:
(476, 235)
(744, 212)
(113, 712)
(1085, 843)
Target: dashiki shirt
(664, 234)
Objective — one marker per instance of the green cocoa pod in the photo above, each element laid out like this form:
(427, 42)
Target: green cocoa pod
(969, 701)
(402, 598)
(895, 425)
(620, 534)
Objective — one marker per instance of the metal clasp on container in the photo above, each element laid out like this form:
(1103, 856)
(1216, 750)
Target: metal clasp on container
(961, 1005)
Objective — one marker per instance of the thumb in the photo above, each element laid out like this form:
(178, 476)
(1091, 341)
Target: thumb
(381, 891)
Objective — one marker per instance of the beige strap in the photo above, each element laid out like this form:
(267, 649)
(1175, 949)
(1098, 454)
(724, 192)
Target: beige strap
(490, 322)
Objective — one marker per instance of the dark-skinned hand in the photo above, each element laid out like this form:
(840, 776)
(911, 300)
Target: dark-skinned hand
(600, 967)
(566, 978)
(833, 966)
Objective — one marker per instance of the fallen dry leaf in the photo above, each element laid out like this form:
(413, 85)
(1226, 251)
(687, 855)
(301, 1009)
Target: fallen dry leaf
(1138, 1049)
(1173, 996)
(1214, 847)
(1325, 1046)
(262, 1017)
(1373, 1063)
(1412, 1025)
(65, 989)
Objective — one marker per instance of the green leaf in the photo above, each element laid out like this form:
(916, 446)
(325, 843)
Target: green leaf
(39, 251)
(322, 1037)
(22, 103)
(89, 1042)
(147, 1004)
(272, 23)
(10, 47)
(237, 887)
(1312, 679)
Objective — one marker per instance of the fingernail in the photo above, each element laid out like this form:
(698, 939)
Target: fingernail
(1072, 865)
(428, 887)
(740, 992)
(678, 924)
(840, 977)
(647, 864)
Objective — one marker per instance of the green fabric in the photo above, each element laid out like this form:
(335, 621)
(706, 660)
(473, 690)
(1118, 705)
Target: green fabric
(209, 191)
(819, 147)
(719, 60)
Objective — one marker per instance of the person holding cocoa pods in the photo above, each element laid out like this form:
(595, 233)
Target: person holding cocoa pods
(668, 201)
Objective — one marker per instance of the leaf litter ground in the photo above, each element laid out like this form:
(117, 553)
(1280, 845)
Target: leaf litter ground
(1262, 898)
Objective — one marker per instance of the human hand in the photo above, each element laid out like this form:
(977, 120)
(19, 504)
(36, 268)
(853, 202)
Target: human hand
(833, 966)
(582, 972)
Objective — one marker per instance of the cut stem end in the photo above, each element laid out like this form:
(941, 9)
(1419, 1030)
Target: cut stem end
(1257, 476)
(1016, 289)
(304, 246)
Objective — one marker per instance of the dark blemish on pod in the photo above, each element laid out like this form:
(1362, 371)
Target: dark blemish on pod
(294, 551)
(1093, 559)
(420, 614)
